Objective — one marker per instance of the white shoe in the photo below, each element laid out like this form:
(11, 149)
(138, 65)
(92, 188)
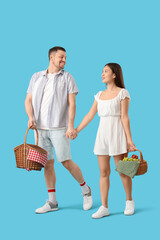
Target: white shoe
(87, 200)
(102, 212)
(129, 210)
(48, 207)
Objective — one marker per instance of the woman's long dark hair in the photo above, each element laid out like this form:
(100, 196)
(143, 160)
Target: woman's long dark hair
(116, 68)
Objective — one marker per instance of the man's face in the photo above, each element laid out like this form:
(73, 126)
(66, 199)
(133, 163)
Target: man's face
(58, 59)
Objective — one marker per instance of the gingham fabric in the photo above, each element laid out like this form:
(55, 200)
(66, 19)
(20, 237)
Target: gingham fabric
(37, 157)
(128, 168)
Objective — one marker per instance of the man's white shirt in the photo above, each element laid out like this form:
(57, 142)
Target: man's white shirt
(50, 98)
(46, 98)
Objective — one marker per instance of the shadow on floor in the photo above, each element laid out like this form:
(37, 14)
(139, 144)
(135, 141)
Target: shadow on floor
(79, 206)
(137, 211)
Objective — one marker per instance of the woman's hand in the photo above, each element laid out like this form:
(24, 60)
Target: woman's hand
(131, 146)
(75, 135)
(71, 133)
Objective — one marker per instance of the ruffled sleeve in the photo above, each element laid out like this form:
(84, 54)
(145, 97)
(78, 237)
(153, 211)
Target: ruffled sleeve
(97, 96)
(124, 94)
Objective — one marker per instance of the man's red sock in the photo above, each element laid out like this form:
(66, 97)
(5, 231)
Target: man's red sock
(84, 187)
(52, 194)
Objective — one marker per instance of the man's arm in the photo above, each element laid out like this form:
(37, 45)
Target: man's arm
(72, 110)
(29, 110)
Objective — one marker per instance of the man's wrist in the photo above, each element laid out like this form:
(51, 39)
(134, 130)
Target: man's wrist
(71, 125)
(31, 119)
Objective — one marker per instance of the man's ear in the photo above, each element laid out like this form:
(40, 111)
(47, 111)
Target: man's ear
(50, 58)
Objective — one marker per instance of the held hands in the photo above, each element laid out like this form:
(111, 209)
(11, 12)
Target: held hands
(71, 133)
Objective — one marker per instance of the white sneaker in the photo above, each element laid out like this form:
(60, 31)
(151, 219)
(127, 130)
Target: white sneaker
(87, 200)
(48, 207)
(102, 212)
(129, 210)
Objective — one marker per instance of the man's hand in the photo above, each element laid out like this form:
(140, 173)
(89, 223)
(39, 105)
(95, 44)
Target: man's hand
(71, 133)
(31, 124)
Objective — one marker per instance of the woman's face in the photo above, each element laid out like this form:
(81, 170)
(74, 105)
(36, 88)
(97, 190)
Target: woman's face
(107, 75)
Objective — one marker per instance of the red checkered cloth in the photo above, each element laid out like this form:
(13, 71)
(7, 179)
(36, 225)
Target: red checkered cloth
(37, 157)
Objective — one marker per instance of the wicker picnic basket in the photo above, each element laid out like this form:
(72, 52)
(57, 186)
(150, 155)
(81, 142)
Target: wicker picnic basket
(22, 151)
(142, 169)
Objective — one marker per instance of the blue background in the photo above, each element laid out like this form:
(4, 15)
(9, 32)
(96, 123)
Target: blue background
(93, 33)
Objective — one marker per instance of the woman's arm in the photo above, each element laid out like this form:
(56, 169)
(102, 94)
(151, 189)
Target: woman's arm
(88, 118)
(126, 123)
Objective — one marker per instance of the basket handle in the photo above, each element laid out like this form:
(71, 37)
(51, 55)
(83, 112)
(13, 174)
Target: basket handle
(141, 156)
(27, 133)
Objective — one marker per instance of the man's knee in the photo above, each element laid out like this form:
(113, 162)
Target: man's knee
(49, 164)
(67, 164)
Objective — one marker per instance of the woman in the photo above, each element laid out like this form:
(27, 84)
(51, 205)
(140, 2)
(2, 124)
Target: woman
(114, 134)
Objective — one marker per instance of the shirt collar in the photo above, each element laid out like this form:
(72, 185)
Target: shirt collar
(58, 73)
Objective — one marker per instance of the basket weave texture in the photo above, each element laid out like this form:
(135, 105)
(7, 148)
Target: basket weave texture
(21, 154)
(143, 166)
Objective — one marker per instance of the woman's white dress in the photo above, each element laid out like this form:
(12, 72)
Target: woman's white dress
(111, 138)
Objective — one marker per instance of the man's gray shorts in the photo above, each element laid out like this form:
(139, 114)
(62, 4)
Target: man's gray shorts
(55, 139)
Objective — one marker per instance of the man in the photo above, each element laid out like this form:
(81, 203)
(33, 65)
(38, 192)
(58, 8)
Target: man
(50, 106)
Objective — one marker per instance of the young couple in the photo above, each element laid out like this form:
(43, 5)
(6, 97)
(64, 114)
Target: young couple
(50, 106)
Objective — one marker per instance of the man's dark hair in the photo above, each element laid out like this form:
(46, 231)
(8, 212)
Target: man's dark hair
(55, 49)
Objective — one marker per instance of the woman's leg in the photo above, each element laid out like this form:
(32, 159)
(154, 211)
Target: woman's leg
(127, 181)
(104, 166)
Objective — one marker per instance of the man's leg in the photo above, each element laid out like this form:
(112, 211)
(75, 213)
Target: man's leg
(50, 178)
(74, 170)
(49, 173)
(63, 154)
(77, 174)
